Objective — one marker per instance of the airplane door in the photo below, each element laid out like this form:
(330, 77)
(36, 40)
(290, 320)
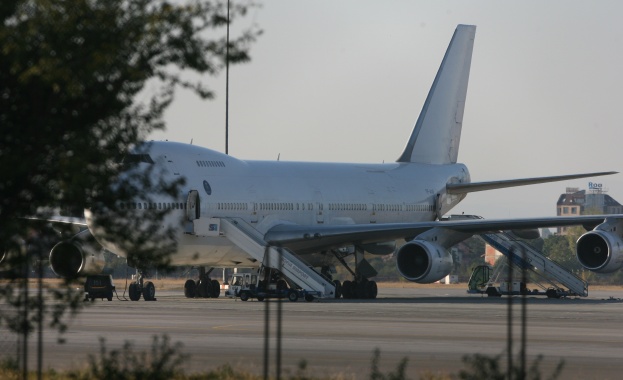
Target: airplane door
(319, 206)
(253, 208)
(172, 166)
(438, 204)
(193, 209)
(372, 206)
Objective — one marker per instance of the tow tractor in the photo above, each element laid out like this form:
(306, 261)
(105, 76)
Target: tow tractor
(98, 286)
(248, 285)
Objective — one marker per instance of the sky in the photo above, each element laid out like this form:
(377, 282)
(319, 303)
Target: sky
(344, 81)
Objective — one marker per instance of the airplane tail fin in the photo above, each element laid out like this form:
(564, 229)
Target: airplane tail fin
(437, 132)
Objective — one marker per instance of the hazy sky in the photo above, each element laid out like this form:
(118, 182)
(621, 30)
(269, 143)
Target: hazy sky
(344, 81)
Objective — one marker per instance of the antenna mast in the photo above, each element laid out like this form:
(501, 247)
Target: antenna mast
(227, 86)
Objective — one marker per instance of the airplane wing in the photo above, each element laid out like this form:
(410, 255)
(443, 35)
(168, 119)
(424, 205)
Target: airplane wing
(301, 239)
(62, 219)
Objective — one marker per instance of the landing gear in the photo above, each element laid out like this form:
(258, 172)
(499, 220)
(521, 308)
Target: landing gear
(216, 289)
(149, 291)
(338, 288)
(134, 292)
(204, 287)
(370, 290)
(190, 289)
(141, 287)
(360, 287)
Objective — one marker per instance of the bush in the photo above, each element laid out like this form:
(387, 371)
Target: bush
(163, 362)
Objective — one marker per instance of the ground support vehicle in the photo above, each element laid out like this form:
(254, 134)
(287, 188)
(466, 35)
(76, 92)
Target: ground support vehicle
(247, 286)
(98, 286)
(238, 282)
(485, 281)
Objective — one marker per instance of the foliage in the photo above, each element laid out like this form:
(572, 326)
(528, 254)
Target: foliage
(163, 362)
(398, 374)
(473, 251)
(83, 82)
(489, 367)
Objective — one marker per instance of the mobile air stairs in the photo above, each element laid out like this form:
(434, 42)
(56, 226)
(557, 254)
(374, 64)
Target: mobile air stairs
(252, 242)
(524, 256)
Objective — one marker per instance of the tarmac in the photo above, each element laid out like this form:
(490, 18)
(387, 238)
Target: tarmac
(433, 328)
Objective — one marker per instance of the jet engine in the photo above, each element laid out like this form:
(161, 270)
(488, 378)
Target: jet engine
(423, 262)
(600, 251)
(79, 256)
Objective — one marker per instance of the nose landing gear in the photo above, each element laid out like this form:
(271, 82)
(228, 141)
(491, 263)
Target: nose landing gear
(141, 287)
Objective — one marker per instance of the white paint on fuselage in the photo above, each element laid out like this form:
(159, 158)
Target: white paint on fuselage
(265, 193)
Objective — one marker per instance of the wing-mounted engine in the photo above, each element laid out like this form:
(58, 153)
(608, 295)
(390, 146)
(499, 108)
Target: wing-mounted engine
(601, 250)
(79, 256)
(426, 258)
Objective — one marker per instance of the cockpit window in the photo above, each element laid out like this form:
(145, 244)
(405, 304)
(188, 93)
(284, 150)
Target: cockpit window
(137, 158)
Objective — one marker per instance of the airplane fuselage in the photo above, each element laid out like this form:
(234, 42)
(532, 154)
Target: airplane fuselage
(266, 193)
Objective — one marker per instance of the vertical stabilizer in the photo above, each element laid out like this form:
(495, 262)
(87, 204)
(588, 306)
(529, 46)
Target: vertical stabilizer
(437, 132)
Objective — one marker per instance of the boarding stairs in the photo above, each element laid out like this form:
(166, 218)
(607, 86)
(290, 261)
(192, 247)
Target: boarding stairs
(526, 256)
(243, 235)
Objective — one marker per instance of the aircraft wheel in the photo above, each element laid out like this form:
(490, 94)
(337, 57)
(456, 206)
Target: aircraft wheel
(260, 298)
(198, 289)
(552, 293)
(133, 292)
(492, 292)
(149, 291)
(371, 289)
(338, 288)
(190, 289)
(261, 285)
(204, 288)
(216, 289)
(244, 295)
(347, 289)
(360, 289)
(309, 297)
(293, 296)
(282, 284)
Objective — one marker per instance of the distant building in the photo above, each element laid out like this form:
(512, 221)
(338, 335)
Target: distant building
(595, 201)
(491, 255)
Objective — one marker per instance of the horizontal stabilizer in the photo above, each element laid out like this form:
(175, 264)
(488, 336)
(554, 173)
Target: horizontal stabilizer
(463, 188)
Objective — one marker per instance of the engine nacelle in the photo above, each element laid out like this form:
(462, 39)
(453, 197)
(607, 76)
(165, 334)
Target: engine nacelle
(600, 251)
(423, 262)
(79, 256)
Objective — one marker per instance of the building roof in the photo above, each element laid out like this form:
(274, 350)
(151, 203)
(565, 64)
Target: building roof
(581, 198)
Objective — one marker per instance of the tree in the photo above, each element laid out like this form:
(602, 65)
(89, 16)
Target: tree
(70, 73)
(561, 248)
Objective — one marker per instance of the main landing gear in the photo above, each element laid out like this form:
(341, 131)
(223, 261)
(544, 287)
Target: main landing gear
(204, 287)
(360, 287)
(141, 287)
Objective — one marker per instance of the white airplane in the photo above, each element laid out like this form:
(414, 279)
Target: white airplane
(230, 210)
